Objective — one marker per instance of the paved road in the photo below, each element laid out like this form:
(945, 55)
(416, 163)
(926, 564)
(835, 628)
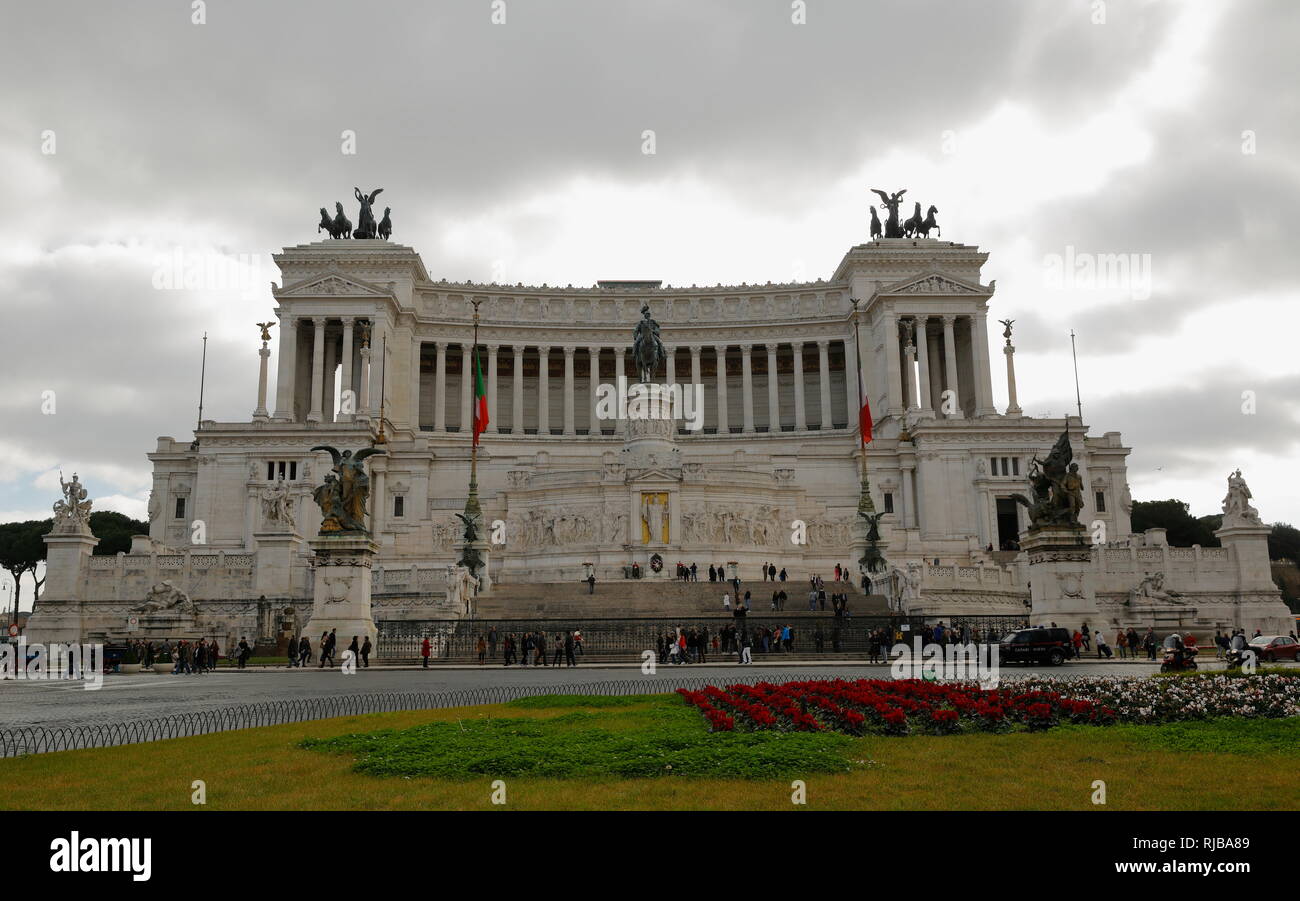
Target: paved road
(145, 696)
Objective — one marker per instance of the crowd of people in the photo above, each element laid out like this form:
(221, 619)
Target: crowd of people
(189, 656)
(531, 648)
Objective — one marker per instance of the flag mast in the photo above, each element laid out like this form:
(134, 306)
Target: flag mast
(865, 504)
(472, 508)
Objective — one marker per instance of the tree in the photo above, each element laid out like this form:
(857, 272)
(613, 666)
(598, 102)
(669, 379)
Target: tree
(114, 531)
(1182, 529)
(21, 552)
(1284, 543)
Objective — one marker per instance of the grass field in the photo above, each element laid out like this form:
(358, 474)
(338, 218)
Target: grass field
(616, 753)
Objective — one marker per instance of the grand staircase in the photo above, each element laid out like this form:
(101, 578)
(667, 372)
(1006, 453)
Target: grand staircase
(654, 598)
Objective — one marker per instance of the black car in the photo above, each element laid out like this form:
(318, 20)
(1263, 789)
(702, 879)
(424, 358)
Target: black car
(1036, 646)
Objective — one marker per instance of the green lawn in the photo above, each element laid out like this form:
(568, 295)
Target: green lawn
(654, 752)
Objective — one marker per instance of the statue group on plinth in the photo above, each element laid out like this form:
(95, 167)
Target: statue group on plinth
(1055, 488)
(72, 511)
(342, 498)
(341, 227)
(1237, 509)
(917, 226)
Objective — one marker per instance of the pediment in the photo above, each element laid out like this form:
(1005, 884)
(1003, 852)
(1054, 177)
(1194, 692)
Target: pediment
(934, 283)
(331, 285)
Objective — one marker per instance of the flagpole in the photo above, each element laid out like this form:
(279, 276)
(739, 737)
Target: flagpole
(472, 508)
(1078, 399)
(865, 504)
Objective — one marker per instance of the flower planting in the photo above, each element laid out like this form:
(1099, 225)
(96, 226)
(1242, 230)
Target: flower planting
(901, 707)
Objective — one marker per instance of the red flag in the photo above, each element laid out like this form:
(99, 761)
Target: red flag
(864, 415)
(480, 400)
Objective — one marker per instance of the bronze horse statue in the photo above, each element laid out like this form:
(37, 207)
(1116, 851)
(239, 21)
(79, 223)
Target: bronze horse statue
(924, 228)
(334, 227)
(875, 224)
(913, 224)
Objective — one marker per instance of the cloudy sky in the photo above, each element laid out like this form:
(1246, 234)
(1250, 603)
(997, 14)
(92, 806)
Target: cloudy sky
(1052, 135)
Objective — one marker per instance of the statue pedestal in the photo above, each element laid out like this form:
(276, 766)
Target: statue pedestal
(57, 613)
(341, 599)
(1061, 586)
(276, 552)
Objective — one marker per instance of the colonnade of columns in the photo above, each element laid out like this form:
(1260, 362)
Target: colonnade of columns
(603, 364)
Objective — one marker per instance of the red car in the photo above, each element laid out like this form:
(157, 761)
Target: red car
(1276, 647)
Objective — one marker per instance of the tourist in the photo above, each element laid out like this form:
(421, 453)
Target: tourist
(424, 652)
(703, 643)
(1149, 642)
(354, 649)
(812, 599)
(713, 573)
(492, 642)
(781, 598)
(837, 572)
(1102, 647)
(764, 570)
(787, 638)
(539, 650)
(818, 639)
(748, 600)
(783, 574)
(1133, 641)
(244, 652)
(291, 649)
(366, 648)
(726, 602)
(1077, 640)
(695, 573)
(1087, 637)
(746, 647)
(481, 648)
(304, 651)
(1121, 642)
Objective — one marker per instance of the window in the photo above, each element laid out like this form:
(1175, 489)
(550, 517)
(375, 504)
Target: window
(889, 502)
(399, 506)
(1015, 466)
(180, 508)
(1101, 502)
(993, 470)
(280, 470)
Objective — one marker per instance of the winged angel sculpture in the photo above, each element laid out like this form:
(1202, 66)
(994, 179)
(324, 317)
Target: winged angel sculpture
(342, 498)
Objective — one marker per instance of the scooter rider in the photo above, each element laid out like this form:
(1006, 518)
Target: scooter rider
(1175, 643)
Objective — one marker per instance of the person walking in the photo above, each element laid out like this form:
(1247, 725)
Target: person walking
(425, 648)
(355, 650)
(1149, 642)
(726, 602)
(746, 648)
(366, 648)
(1121, 642)
(569, 647)
(558, 657)
(492, 642)
(482, 649)
(291, 649)
(1102, 647)
(304, 652)
(244, 652)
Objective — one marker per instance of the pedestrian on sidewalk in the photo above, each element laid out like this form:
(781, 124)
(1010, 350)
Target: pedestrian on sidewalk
(482, 650)
(424, 651)
(304, 652)
(366, 648)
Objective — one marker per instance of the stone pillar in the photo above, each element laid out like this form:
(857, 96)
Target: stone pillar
(852, 403)
(723, 426)
(909, 506)
(413, 401)
(773, 397)
(378, 371)
(317, 368)
(800, 414)
(747, 385)
(467, 388)
(57, 614)
(569, 351)
(260, 414)
(1060, 560)
(1013, 407)
(909, 368)
(492, 389)
(923, 364)
(979, 336)
(697, 379)
(620, 366)
(363, 398)
(350, 402)
(824, 369)
(517, 390)
(440, 388)
(543, 390)
(284, 373)
(670, 365)
(950, 366)
(893, 363)
(328, 385)
(593, 379)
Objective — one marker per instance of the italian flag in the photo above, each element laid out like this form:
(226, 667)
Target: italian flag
(480, 400)
(864, 415)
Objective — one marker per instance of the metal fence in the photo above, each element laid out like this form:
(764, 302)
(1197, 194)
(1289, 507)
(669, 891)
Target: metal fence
(628, 638)
(16, 741)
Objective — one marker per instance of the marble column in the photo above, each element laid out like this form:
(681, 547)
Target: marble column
(543, 390)
(594, 382)
(893, 363)
(909, 502)
(1013, 406)
(284, 373)
(773, 397)
(670, 365)
(923, 364)
(909, 377)
(852, 403)
(413, 416)
(348, 399)
(620, 365)
(260, 414)
(950, 365)
(747, 386)
(824, 368)
(800, 414)
(440, 388)
(317, 368)
(327, 389)
(379, 367)
(493, 418)
(979, 339)
(723, 423)
(569, 351)
(697, 379)
(363, 396)
(517, 390)
(467, 388)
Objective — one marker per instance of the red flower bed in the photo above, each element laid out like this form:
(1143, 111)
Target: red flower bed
(894, 707)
